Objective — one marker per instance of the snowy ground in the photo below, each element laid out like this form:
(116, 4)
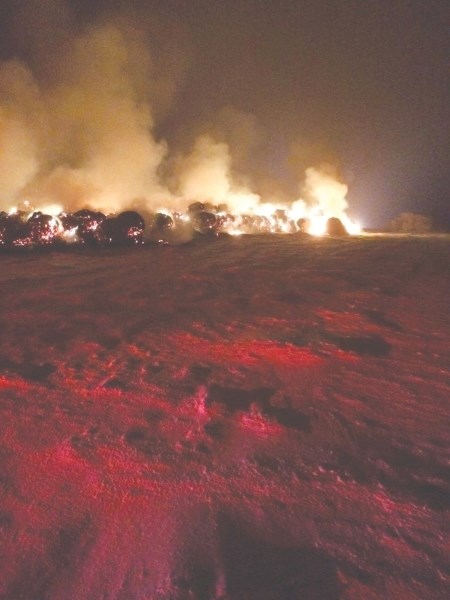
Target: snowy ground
(251, 418)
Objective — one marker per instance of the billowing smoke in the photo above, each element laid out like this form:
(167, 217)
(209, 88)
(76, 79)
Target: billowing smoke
(85, 138)
(322, 189)
(19, 129)
(205, 176)
(78, 115)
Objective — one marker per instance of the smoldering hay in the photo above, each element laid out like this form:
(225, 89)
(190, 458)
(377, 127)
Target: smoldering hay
(77, 130)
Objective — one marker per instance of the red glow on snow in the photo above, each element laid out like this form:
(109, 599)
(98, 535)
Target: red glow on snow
(248, 353)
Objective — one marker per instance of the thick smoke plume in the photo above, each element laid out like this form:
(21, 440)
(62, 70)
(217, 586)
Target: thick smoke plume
(205, 176)
(78, 115)
(81, 135)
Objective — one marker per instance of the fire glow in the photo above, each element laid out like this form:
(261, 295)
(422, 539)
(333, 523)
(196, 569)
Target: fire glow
(322, 212)
(79, 148)
(32, 228)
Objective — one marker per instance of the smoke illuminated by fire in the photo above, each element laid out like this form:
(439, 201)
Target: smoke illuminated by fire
(77, 132)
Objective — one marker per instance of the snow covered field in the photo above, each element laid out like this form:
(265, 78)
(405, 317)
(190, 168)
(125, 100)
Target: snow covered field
(250, 418)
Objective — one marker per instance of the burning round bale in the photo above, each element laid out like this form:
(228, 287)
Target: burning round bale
(87, 226)
(44, 229)
(206, 223)
(162, 223)
(162, 227)
(95, 229)
(127, 229)
(18, 230)
(84, 227)
(14, 230)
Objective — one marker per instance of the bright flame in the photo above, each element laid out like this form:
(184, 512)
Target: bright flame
(317, 226)
(235, 211)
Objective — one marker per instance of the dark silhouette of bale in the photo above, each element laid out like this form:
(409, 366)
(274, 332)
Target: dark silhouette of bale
(132, 226)
(15, 231)
(205, 223)
(335, 227)
(127, 229)
(131, 219)
(195, 208)
(89, 223)
(303, 225)
(109, 232)
(162, 222)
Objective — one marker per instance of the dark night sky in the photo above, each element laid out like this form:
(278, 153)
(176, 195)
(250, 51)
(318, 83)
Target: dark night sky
(363, 84)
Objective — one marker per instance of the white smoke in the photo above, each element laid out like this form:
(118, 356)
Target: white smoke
(19, 114)
(86, 138)
(322, 189)
(205, 175)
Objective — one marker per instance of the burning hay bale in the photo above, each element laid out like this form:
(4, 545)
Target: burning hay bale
(162, 222)
(127, 229)
(87, 226)
(206, 223)
(18, 230)
(14, 230)
(43, 229)
(161, 228)
(201, 221)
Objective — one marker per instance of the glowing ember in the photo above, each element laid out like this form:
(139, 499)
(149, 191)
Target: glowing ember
(322, 212)
(21, 229)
